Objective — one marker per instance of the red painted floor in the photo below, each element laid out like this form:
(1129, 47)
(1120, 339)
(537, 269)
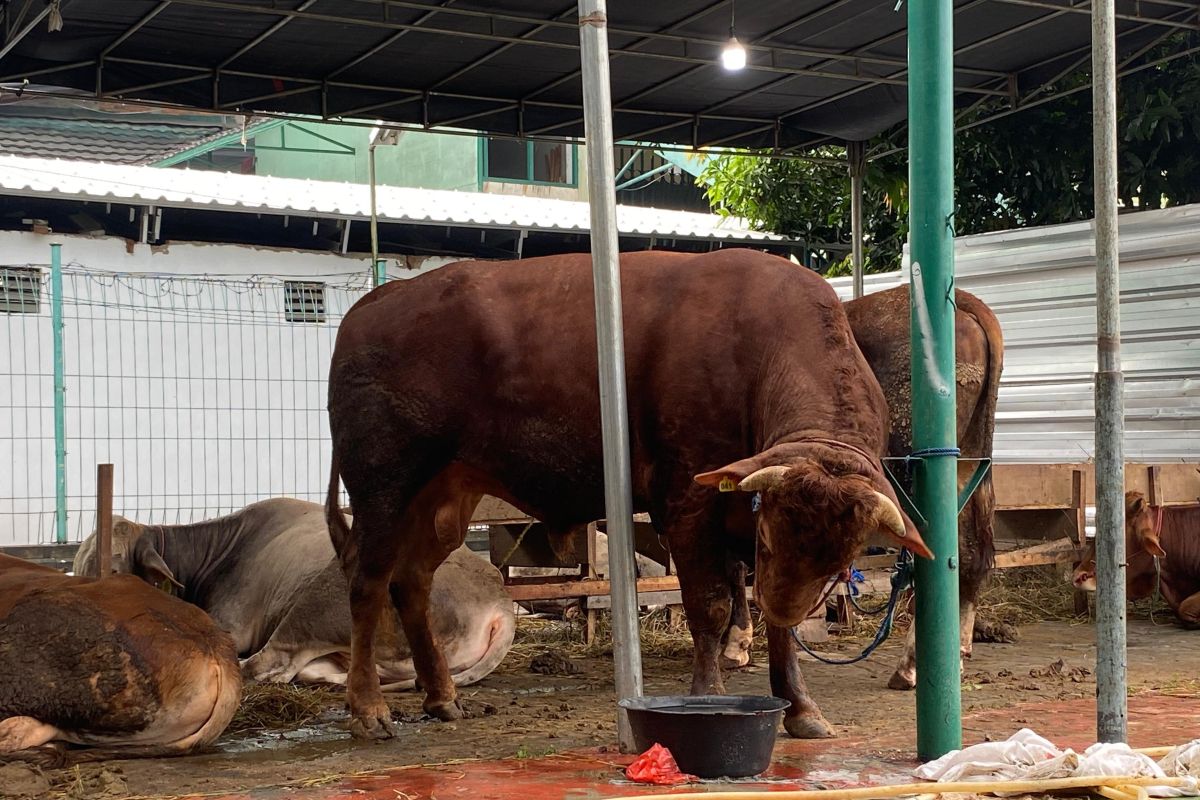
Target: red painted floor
(1156, 720)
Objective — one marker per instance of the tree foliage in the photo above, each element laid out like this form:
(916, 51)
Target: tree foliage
(1032, 167)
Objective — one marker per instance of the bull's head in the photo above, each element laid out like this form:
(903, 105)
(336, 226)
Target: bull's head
(1141, 547)
(816, 508)
(133, 553)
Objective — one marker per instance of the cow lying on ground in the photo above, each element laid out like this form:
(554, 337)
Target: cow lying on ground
(268, 576)
(881, 328)
(1162, 550)
(115, 665)
(481, 378)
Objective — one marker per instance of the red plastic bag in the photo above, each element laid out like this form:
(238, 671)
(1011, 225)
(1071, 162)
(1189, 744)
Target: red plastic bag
(657, 766)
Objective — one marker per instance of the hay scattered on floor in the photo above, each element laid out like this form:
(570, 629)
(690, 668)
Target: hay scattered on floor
(275, 706)
(1024, 595)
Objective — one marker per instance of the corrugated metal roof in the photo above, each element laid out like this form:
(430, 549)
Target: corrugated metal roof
(182, 188)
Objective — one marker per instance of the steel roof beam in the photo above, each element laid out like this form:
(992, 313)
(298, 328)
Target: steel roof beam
(1086, 8)
(25, 31)
(684, 41)
(388, 42)
(570, 11)
(262, 37)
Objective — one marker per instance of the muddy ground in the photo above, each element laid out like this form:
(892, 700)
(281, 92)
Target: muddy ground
(521, 713)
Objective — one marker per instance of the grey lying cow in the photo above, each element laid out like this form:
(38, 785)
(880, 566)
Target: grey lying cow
(267, 574)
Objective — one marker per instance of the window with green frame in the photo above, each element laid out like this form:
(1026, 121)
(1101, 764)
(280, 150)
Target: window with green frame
(520, 161)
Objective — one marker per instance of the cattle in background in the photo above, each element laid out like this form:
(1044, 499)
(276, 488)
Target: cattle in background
(114, 665)
(1162, 552)
(481, 378)
(881, 328)
(267, 575)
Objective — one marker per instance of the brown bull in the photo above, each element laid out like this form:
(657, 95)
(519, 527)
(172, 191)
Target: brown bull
(116, 665)
(1162, 553)
(880, 322)
(481, 378)
(881, 329)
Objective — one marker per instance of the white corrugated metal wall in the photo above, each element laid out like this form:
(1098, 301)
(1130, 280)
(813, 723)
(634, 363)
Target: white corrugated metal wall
(1041, 284)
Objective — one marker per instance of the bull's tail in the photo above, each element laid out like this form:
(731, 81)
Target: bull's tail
(339, 531)
(984, 420)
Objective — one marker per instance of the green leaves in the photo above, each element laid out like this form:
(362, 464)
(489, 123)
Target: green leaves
(1026, 169)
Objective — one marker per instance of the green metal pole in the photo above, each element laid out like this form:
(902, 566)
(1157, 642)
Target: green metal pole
(380, 272)
(931, 193)
(60, 396)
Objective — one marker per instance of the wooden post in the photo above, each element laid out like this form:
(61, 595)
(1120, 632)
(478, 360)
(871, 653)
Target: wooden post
(1154, 484)
(104, 522)
(589, 630)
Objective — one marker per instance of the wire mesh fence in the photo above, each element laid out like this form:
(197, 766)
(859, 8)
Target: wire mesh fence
(206, 393)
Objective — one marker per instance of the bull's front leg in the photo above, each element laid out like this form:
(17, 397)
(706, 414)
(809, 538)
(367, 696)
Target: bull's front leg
(1189, 611)
(803, 720)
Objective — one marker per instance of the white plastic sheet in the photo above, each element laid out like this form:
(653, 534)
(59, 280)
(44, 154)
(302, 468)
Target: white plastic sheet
(1027, 756)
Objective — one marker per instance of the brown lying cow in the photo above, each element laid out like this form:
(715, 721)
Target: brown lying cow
(481, 378)
(115, 665)
(1162, 550)
(267, 575)
(881, 329)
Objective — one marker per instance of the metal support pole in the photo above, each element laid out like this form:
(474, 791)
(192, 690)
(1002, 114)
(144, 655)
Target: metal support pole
(104, 520)
(60, 396)
(618, 494)
(1111, 704)
(931, 197)
(380, 277)
(374, 212)
(856, 154)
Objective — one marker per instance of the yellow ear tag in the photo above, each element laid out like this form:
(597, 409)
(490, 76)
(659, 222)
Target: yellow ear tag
(727, 485)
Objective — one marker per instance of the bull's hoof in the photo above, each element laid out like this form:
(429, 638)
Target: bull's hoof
(902, 681)
(445, 710)
(809, 726)
(374, 726)
(736, 662)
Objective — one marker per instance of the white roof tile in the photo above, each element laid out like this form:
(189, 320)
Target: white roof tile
(184, 188)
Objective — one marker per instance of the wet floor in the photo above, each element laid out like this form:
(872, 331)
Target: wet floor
(1156, 719)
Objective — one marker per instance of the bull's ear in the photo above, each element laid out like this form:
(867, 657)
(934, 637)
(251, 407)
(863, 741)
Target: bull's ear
(1152, 546)
(730, 477)
(1137, 505)
(148, 564)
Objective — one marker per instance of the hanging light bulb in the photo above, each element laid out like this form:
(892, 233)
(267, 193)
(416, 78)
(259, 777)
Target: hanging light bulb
(733, 55)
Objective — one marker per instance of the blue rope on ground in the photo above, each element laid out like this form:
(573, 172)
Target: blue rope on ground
(901, 579)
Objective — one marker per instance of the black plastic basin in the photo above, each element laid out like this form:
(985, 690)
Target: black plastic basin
(710, 736)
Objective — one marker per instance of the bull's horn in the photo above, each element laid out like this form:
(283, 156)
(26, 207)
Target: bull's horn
(763, 479)
(889, 520)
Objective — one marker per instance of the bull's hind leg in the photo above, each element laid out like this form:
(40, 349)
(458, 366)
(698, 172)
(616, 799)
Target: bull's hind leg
(804, 719)
(735, 647)
(369, 567)
(435, 526)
